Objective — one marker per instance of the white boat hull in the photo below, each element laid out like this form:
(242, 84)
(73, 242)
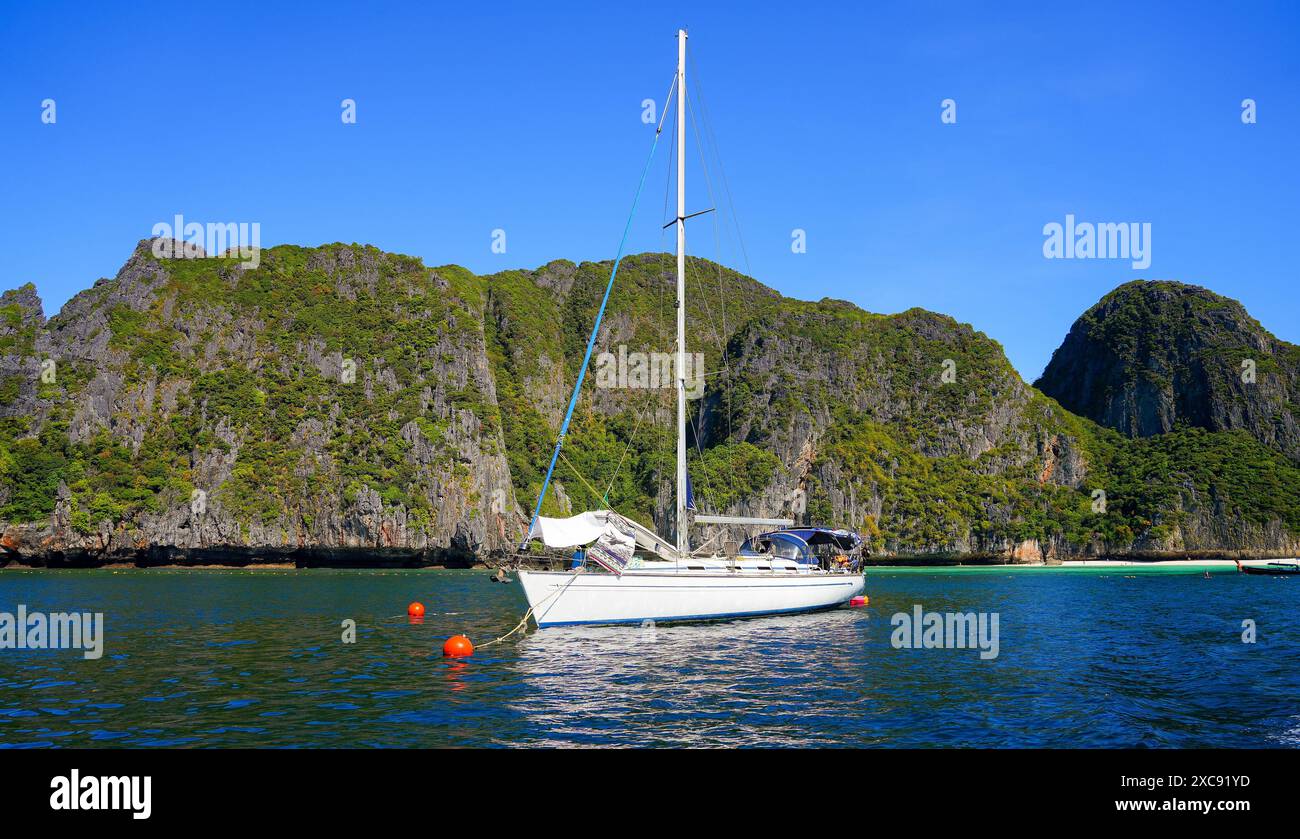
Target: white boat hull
(558, 599)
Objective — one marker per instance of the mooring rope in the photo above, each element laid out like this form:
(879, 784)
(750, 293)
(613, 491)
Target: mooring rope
(523, 622)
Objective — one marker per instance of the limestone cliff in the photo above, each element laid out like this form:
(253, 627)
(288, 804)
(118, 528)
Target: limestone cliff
(341, 405)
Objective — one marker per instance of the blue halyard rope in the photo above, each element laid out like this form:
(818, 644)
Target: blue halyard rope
(591, 343)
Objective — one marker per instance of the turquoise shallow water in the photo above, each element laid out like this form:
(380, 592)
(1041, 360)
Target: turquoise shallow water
(1106, 657)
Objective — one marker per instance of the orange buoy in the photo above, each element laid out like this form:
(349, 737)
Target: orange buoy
(860, 600)
(457, 646)
(415, 610)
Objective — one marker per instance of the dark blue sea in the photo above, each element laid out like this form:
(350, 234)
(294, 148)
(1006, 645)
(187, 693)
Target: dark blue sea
(1112, 657)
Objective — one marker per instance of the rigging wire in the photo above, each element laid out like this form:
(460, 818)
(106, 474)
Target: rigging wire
(604, 499)
(702, 149)
(660, 397)
(591, 342)
(581, 477)
(631, 438)
(735, 221)
(722, 170)
(740, 239)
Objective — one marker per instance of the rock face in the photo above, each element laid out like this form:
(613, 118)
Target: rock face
(337, 403)
(863, 407)
(1153, 355)
(341, 405)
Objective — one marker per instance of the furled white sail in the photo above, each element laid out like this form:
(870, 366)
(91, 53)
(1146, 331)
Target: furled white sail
(576, 531)
(585, 528)
(611, 539)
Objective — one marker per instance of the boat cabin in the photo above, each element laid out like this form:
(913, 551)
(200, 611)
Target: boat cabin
(813, 546)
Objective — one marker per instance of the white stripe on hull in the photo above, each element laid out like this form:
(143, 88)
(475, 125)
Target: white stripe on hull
(635, 597)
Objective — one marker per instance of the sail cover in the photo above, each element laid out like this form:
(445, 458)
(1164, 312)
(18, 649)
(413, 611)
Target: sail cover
(613, 550)
(612, 539)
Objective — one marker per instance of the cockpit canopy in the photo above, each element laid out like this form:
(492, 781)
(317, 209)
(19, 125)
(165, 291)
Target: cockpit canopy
(804, 545)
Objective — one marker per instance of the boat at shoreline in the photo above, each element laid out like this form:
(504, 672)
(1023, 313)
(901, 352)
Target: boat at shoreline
(1275, 569)
(625, 573)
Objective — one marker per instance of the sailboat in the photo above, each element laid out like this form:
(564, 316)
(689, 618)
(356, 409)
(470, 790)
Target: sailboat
(626, 573)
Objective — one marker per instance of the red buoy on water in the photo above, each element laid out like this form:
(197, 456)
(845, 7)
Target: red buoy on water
(415, 610)
(457, 646)
(860, 600)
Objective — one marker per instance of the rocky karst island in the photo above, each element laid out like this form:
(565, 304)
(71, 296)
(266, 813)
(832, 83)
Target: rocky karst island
(341, 405)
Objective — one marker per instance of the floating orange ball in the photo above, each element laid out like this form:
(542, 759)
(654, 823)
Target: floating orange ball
(457, 646)
(415, 610)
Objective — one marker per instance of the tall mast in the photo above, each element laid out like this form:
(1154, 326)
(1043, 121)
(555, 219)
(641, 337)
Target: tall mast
(683, 537)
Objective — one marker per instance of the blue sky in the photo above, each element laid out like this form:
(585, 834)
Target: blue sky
(528, 119)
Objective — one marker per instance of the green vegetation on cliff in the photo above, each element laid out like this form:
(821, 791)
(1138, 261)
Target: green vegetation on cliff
(1151, 356)
(340, 387)
(251, 358)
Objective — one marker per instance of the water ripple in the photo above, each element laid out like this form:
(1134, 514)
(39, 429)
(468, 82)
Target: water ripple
(239, 658)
